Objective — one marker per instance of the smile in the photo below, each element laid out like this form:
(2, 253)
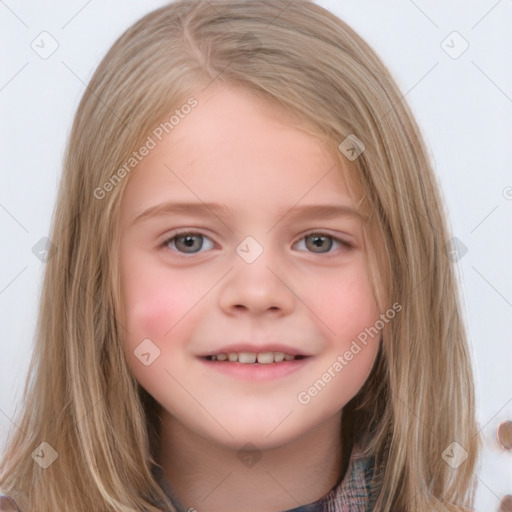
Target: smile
(253, 357)
(255, 366)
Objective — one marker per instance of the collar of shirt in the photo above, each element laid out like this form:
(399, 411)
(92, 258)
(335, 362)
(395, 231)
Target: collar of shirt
(352, 494)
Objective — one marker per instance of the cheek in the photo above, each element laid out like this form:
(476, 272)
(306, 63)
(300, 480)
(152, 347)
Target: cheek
(151, 299)
(153, 314)
(158, 301)
(153, 302)
(347, 309)
(346, 305)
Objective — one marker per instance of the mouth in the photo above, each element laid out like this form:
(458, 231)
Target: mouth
(253, 357)
(250, 364)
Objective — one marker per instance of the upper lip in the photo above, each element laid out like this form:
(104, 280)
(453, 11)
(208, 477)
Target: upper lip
(257, 349)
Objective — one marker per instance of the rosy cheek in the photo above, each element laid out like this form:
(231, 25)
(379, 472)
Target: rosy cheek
(349, 309)
(151, 308)
(158, 314)
(349, 298)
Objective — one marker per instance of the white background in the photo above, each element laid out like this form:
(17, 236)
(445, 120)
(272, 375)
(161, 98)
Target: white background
(463, 105)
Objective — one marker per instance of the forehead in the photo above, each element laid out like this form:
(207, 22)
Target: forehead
(236, 147)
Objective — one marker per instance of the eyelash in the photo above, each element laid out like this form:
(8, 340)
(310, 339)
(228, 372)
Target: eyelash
(165, 244)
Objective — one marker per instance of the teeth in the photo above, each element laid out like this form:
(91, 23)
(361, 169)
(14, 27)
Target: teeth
(251, 357)
(247, 357)
(278, 356)
(266, 357)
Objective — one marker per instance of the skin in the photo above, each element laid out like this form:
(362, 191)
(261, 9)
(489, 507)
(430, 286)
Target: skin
(258, 161)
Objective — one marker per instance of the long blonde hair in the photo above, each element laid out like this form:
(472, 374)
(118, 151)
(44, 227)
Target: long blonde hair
(80, 396)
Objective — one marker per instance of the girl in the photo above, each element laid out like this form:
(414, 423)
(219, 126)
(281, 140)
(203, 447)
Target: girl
(251, 304)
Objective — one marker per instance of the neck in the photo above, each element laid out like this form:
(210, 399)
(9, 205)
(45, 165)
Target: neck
(208, 476)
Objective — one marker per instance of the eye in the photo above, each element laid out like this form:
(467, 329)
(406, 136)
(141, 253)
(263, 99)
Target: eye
(320, 243)
(188, 242)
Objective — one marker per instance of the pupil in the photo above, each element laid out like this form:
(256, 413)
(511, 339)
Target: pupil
(320, 242)
(189, 240)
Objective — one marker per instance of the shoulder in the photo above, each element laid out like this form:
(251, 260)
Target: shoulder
(7, 504)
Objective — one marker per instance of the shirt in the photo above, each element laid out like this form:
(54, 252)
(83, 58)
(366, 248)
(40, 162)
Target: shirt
(352, 494)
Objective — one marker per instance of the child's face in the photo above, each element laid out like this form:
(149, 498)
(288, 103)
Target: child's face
(250, 280)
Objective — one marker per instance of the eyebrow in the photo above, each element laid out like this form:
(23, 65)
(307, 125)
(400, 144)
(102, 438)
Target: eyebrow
(324, 211)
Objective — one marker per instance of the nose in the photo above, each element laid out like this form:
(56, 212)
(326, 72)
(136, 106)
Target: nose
(257, 287)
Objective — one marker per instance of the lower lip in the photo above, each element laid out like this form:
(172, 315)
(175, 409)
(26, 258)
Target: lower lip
(257, 371)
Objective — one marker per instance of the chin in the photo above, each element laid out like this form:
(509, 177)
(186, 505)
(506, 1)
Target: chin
(247, 439)
(264, 431)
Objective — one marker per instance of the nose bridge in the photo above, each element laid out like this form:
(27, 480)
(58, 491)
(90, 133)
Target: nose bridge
(257, 282)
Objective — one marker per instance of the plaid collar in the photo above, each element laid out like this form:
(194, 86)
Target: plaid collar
(352, 494)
